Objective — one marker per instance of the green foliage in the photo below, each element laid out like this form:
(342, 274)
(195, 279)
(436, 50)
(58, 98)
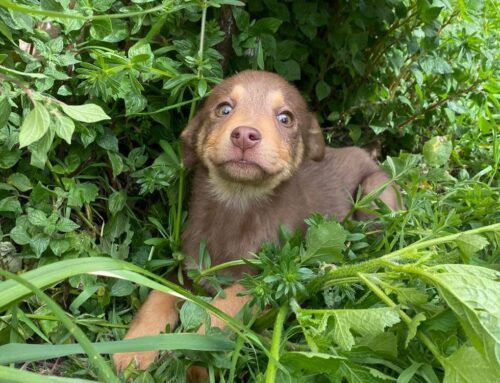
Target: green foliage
(93, 96)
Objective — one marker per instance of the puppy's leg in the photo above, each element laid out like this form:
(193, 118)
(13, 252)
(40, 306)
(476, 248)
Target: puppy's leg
(156, 313)
(373, 182)
(231, 305)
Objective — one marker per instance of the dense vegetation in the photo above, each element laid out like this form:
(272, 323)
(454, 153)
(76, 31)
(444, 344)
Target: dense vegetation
(93, 96)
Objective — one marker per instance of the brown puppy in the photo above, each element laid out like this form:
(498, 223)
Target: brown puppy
(260, 162)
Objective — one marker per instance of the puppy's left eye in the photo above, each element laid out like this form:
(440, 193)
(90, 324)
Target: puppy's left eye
(285, 118)
(223, 109)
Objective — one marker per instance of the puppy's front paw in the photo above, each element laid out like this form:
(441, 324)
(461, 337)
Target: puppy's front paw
(142, 359)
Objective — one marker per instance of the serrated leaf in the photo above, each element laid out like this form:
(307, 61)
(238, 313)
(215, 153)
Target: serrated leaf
(20, 182)
(473, 293)
(37, 217)
(192, 316)
(85, 113)
(466, 365)
(82, 193)
(39, 244)
(66, 225)
(63, 127)
(116, 201)
(34, 126)
(413, 327)
(355, 373)
(365, 322)
(325, 242)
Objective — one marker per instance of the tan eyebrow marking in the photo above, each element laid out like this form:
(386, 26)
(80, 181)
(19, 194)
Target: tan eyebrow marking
(277, 99)
(237, 92)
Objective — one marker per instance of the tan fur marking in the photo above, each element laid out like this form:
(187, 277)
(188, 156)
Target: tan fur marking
(237, 92)
(277, 99)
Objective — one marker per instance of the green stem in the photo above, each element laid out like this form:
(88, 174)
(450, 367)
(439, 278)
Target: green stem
(405, 317)
(406, 253)
(103, 370)
(275, 345)
(180, 197)
(78, 16)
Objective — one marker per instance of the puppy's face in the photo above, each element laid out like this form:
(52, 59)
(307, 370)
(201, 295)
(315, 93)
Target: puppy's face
(253, 132)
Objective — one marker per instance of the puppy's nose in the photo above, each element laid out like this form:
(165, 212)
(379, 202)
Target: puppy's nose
(244, 137)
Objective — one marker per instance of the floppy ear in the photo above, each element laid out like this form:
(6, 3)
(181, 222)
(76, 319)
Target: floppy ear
(188, 137)
(314, 140)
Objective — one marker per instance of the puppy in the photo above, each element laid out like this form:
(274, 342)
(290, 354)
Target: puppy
(260, 162)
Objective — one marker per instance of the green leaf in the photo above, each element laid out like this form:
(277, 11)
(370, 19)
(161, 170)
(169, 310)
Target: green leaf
(365, 322)
(15, 352)
(325, 242)
(63, 127)
(17, 375)
(116, 163)
(5, 110)
(85, 113)
(37, 217)
(10, 204)
(39, 244)
(470, 244)
(466, 365)
(20, 182)
(312, 361)
(289, 69)
(354, 373)
(323, 90)
(437, 151)
(80, 194)
(66, 225)
(19, 235)
(407, 374)
(35, 125)
(413, 326)
(116, 201)
(192, 316)
(473, 293)
(121, 288)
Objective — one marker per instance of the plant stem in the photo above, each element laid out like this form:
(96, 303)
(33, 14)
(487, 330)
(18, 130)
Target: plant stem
(405, 317)
(103, 370)
(275, 345)
(406, 253)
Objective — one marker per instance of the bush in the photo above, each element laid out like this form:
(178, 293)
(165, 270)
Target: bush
(93, 95)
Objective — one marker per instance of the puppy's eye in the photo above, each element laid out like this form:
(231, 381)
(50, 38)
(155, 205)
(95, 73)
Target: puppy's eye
(223, 109)
(285, 118)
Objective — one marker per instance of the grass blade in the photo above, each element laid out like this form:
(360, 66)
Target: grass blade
(14, 375)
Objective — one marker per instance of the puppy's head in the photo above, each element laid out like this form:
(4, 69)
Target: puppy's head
(252, 133)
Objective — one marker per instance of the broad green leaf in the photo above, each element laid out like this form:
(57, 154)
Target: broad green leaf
(322, 89)
(471, 244)
(80, 194)
(66, 225)
(437, 151)
(473, 293)
(39, 244)
(10, 204)
(16, 352)
(8, 158)
(116, 163)
(40, 150)
(325, 242)
(192, 316)
(85, 113)
(312, 361)
(364, 322)
(116, 201)
(63, 127)
(19, 235)
(35, 125)
(37, 217)
(356, 373)
(20, 182)
(466, 365)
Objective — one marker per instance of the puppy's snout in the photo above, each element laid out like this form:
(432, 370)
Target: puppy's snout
(244, 137)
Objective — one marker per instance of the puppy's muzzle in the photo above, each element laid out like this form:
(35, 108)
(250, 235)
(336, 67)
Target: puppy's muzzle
(244, 137)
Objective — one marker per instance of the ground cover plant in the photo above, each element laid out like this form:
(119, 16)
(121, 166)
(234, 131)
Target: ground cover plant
(93, 96)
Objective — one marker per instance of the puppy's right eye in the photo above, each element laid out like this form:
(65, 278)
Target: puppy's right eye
(223, 109)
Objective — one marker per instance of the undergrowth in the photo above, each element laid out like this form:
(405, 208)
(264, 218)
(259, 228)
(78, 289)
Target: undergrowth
(93, 96)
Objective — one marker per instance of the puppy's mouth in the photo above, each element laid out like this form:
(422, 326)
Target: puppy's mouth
(242, 170)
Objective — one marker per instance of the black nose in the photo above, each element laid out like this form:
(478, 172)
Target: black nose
(244, 137)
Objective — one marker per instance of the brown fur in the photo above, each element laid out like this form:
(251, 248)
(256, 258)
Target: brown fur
(240, 196)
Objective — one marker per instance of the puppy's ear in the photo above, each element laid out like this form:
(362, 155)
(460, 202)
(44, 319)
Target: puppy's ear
(314, 140)
(188, 137)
